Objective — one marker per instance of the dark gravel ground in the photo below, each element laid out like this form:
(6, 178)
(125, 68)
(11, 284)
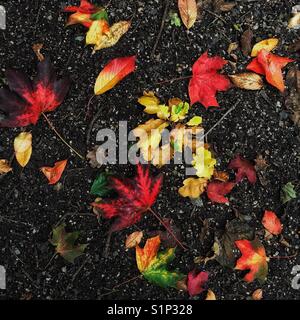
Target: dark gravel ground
(31, 207)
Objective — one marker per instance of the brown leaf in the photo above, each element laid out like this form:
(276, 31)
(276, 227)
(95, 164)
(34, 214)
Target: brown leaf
(260, 163)
(188, 12)
(257, 294)
(210, 295)
(93, 156)
(232, 46)
(37, 50)
(292, 100)
(247, 80)
(4, 166)
(133, 239)
(294, 47)
(221, 176)
(246, 42)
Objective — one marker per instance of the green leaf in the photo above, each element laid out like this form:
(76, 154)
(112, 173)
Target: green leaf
(195, 121)
(101, 186)
(65, 243)
(288, 193)
(175, 20)
(102, 14)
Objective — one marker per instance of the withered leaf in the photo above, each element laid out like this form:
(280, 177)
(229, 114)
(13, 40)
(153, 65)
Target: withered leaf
(294, 47)
(247, 80)
(246, 42)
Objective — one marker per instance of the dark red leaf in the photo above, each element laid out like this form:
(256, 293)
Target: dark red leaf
(136, 196)
(26, 99)
(244, 169)
(196, 282)
(216, 191)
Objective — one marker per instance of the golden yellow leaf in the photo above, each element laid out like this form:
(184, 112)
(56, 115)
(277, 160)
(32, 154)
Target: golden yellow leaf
(4, 166)
(96, 30)
(268, 44)
(210, 295)
(150, 102)
(23, 148)
(193, 187)
(133, 239)
(248, 81)
(188, 12)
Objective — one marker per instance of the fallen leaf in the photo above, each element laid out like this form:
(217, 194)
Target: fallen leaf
(196, 282)
(153, 266)
(65, 243)
(4, 166)
(261, 166)
(26, 100)
(253, 259)
(257, 294)
(294, 22)
(195, 121)
(272, 223)
(221, 176)
(133, 239)
(248, 81)
(179, 111)
(288, 193)
(23, 148)
(216, 191)
(101, 186)
(113, 73)
(294, 47)
(92, 157)
(204, 163)
(136, 196)
(222, 6)
(193, 187)
(188, 12)
(210, 295)
(270, 65)
(267, 45)
(37, 50)
(96, 31)
(244, 169)
(232, 47)
(53, 174)
(206, 81)
(246, 42)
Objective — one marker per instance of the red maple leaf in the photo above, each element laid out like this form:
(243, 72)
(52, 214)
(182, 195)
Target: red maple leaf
(136, 196)
(196, 282)
(244, 169)
(216, 191)
(85, 7)
(270, 65)
(25, 100)
(206, 81)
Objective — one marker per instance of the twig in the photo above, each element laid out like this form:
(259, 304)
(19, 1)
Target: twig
(80, 268)
(217, 16)
(87, 113)
(107, 244)
(222, 118)
(172, 80)
(91, 126)
(167, 228)
(161, 28)
(73, 214)
(54, 256)
(285, 257)
(61, 138)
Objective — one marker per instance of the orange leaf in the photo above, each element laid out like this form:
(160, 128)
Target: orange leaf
(270, 65)
(272, 223)
(145, 255)
(113, 73)
(54, 174)
(253, 258)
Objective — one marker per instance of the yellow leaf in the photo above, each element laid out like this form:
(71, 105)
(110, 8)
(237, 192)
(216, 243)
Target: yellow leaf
(268, 44)
(188, 12)
(150, 101)
(204, 163)
(110, 38)
(195, 121)
(97, 29)
(4, 166)
(23, 148)
(248, 81)
(179, 111)
(193, 187)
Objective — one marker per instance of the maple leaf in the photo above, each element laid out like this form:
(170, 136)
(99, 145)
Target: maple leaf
(153, 265)
(244, 169)
(26, 100)
(196, 282)
(271, 222)
(136, 196)
(206, 81)
(53, 174)
(253, 258)
(270, 65)
(65, 243)
(216, 191)
(193, 187)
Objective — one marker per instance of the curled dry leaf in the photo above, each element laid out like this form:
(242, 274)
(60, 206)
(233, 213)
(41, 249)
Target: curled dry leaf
(37, 50)
(246, 42)
(268, 45)
(23, 148)
(247, 80)
(272, 223)
(210, 295)
(257, 294)
(133, 239)
(193, 187)
(188, 12)
(4, 166)
(221, 176)
(232, 47)
(113, 73)
(53, 174)
(222, 6)
(92, 157)
(294, 22)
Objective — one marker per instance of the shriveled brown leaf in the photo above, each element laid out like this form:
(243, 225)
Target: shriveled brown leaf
(182, 285)
(246, 42)
(133, 239)
(37, 50)
(188, 12)
(4, 167)
(257, 294)
(210, 295)
(92, 158)
(232, 46)
(222, 6)
(294, 47)
(247, 80)
(294, 22)
(261, 166)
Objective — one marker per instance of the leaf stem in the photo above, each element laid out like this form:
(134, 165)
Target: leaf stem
(167, 228)
(285, 257)
(60, 137)
(174, 79)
